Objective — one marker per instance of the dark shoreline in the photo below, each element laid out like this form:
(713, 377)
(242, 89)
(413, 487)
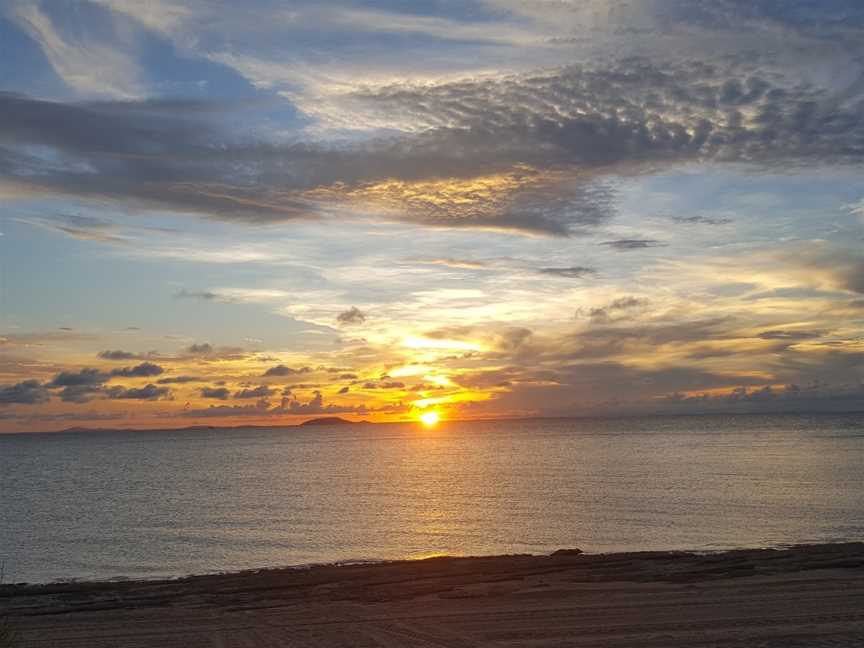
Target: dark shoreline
(800, 591)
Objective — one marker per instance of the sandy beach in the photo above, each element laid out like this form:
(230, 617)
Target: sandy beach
(805, 596)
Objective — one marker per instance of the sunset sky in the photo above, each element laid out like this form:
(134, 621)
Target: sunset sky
(232, 213)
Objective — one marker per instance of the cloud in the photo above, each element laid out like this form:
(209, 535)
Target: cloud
(534, 153)
(40, 339)
(148, 392)
(27, 392)
(200, 349)
(264, 408)
(351, 316)
(80, 393)
(82, 228)
(623, 303)
(260, 409)
(316, 405)
(838, 267)
(608, 313)
(206, 352)
(701, 220)
(462, 264)
(812, 398)
(384, 384)
(496, 339)
(219, 393)
(83, 377)
(179, 380)
(117, 355)
(143, 370)
(205, 295)
(232, 295)
(262, 391)
(575, 272)
(86, 65)
(282, 370)
(87, 383)
(626, 245)
(790, 335)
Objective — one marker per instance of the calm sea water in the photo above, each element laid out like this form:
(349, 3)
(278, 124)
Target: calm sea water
(101, 505)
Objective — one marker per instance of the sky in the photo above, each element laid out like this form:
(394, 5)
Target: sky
(222, 213)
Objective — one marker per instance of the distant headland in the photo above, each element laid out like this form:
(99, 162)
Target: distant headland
(328, 420)
(322, 421)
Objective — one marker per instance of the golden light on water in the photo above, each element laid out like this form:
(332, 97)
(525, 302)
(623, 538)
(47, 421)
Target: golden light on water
(430, 418)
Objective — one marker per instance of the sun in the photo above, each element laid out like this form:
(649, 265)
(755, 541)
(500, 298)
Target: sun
(429, 418)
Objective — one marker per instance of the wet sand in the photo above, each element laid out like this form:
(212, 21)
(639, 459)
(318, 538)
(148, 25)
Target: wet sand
(809, 596)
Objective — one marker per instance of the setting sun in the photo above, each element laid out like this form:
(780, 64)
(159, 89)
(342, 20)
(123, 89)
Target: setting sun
(429, 418)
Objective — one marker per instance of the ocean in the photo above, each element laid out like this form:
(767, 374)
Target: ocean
(85, 505)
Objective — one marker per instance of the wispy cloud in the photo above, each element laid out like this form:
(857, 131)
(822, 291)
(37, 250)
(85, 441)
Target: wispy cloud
(626, 245)
(573, 272)
(90, 68)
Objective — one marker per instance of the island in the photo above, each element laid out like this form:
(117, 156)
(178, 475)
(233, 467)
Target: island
(327, 420)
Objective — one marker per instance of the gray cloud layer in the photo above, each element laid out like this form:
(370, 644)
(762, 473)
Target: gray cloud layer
(560, 134)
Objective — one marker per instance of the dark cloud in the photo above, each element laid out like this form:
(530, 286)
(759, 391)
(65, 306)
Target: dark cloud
(219, 393)
(143, 370)
(351, 316)
(88, 383)
(204, 295)
(200, 349)
(262, 391)
(612, 311)
(79, 393)
(316, 405)
(84, 377)
(118, 355)
(344, 390)
(148, 392)
(179, 380)
(623, 303)
(626, 245)
(287, 406)
(575, 272)
(816, 397)
(282, 370)
(384, 384)
(262, 408)
(27, 392)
